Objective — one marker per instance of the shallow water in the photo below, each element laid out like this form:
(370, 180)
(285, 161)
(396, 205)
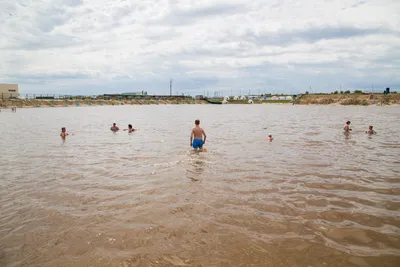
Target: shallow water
(312, 197)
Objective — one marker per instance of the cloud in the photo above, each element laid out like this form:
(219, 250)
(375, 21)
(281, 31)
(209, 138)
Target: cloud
(313, 35)
(99, 46)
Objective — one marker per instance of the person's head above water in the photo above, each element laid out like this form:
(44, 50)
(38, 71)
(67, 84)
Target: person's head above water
(197, 122)
(130, 126)
(370, 127)
(114, 124)
(348, 122)
(63, 129)
(270, 135)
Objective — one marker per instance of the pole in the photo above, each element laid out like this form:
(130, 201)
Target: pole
(170, 87)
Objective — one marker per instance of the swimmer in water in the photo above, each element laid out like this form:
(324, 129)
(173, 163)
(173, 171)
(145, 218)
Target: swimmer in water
(270, 138)
(114, 128)
(130, 129)
(63, 133)
(197, 133)
(346, 127)
(370, 130)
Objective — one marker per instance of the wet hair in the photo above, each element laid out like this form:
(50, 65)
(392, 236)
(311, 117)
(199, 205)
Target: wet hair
(348, 122)
(130, 126)
(114, 123)
(371, 126)
(63, 129)
(197, 122)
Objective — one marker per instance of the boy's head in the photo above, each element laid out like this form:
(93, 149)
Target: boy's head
(270, 135)
(348, 122)
(197, 122)
(63, 129)
(370, 127)
(130, 126)
(114, 124)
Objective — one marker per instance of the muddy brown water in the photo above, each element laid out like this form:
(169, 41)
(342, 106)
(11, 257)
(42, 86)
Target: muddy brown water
(312, 197)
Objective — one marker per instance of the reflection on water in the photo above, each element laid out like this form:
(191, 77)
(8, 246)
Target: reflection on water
(196, 165)
(312, 197)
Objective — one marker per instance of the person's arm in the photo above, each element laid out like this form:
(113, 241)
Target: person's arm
(205, 136)
(191, 138)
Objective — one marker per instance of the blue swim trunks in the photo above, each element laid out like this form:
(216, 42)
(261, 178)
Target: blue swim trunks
(197, 143)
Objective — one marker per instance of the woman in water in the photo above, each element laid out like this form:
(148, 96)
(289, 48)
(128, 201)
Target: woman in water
(370, 130)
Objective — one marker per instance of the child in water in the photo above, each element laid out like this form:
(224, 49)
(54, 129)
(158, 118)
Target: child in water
(130, 129)
(346, 127)
(197, 133)
(270, 138)
(114, 128)
(370, 130)
(63, 133)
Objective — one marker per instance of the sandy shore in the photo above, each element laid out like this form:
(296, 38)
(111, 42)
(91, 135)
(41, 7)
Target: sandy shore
(326, 100)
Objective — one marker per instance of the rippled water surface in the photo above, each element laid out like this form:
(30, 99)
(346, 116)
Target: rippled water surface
(312, 197)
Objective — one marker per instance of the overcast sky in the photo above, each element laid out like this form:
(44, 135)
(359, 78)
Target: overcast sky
(99, 46)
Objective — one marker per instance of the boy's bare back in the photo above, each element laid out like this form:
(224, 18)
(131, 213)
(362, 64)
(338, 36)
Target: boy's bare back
(198, 132)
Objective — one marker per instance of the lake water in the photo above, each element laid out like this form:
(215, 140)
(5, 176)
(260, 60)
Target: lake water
(312, 197)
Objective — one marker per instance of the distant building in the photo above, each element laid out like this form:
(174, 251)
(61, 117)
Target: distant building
(199, 97)
(142, 93)
(8, 91)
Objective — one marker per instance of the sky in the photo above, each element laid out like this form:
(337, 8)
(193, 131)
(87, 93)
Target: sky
(205, 46)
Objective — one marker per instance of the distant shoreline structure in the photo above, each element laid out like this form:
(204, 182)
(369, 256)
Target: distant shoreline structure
(310, 99)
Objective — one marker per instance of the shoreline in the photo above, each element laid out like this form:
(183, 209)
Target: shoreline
(305, 100)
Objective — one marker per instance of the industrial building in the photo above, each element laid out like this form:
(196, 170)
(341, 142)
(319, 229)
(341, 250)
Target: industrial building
(8, 91)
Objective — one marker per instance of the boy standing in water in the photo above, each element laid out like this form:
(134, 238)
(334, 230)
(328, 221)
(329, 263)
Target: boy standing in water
(63, 133)
(346, 127)
(114, 128)
(197, 133)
